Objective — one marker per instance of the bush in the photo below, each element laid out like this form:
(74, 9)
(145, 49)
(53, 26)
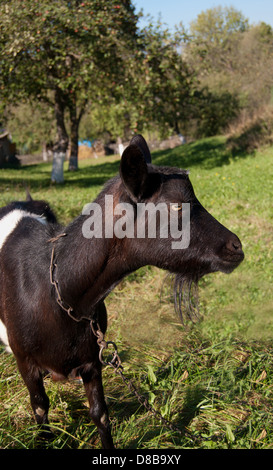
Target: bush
(214, 111)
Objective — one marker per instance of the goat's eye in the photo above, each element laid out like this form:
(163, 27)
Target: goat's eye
(176, 207)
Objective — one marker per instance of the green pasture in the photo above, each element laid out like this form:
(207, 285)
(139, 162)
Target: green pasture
(214, 378)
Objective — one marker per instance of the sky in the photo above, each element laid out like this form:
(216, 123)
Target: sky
(175, 11)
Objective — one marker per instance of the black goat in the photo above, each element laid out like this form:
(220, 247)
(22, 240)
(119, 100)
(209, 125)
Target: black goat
(86, 260)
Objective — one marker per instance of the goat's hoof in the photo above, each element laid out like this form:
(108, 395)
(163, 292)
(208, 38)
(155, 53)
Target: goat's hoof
(46, 433)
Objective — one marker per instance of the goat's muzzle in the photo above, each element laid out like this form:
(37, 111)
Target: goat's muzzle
(231, 254)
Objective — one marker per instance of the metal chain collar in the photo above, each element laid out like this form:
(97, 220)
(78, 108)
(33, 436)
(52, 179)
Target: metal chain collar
(115, 363)
(54, 282)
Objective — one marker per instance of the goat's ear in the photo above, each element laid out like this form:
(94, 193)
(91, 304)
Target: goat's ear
(134, 172)
(141, 143)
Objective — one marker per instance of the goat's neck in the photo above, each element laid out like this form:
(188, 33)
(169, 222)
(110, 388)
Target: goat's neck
(88, 269)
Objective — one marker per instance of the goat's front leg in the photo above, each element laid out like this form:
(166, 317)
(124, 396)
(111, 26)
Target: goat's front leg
(34, 382)
(98, 410)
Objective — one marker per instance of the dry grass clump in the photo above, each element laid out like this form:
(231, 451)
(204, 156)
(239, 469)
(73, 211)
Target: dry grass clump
(251, 131)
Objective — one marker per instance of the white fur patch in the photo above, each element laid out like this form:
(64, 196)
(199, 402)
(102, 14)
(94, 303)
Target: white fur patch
(4, 337)
(40, 412)
(7, 225)
(11, 220)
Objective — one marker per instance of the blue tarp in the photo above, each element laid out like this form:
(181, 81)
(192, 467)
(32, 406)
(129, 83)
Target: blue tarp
(87, 143)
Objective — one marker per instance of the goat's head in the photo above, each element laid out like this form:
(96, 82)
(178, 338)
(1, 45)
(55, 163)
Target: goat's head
(207, 247)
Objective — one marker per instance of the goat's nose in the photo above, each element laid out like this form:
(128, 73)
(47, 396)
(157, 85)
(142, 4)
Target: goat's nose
(234, 245)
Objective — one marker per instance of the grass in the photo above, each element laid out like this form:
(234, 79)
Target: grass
(213, 379)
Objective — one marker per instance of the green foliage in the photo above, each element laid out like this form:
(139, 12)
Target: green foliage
(158, 95)
(30, 126)
(66, 53)
(233, 62)
(215, 111)
(64, 44)
(210, 35)
(89, 60)
(215, 24)
(168, 84)
(89, 57)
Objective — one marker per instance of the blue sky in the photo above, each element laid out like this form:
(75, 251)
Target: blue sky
(174, 11)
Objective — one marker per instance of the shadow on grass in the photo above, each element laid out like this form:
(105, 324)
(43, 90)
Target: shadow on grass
(193, 397)
(123, 409)
(38, 176)
(206, 153)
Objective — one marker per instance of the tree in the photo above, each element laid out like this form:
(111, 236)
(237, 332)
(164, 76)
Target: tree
(30, 125)
(167, 83)
(158, 93)
(229, 55)
(210, 37)
(213, 112)
(65, 53)
(213, 49)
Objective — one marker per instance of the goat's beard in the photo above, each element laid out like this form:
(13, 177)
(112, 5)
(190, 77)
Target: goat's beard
(184, 290)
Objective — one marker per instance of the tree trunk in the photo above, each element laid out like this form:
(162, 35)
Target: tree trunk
(74, 138)
(61, 144)
(75, 119)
